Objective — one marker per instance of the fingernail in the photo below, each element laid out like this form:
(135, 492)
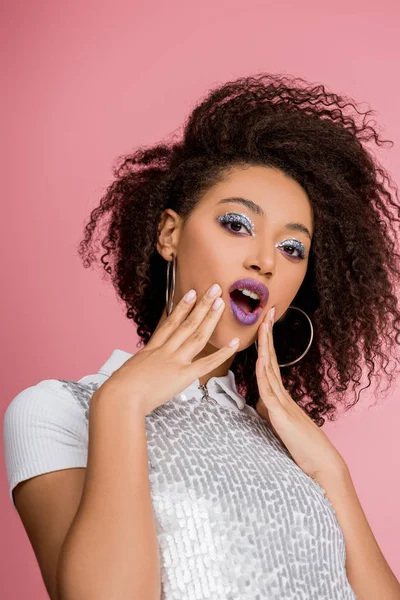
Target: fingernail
(272, 314)
(216, 304)
(214, 289)
(190, 295)
(233, 342)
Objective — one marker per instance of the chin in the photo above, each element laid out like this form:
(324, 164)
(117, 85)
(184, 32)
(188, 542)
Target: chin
(219, 340)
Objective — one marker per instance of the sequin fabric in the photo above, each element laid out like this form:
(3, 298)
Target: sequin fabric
(236, 518)
(82, 392)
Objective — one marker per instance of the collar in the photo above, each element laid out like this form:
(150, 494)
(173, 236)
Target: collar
(226, 383)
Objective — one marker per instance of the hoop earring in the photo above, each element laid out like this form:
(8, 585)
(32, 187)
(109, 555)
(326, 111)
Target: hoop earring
(169, 295)
(169, 298)
(309, 343)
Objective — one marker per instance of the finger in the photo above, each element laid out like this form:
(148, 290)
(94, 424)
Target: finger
(205, 365)
(191, 347)
(173, 321)
(267, 394)
(276, 374)
(269, 340)
(262, 338)
(261, 360)
(268, 375)
(189, 329)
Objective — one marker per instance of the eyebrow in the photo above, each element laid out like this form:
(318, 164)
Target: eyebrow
(259, 211)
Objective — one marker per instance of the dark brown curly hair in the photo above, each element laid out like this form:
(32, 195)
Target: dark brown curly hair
(315, 137)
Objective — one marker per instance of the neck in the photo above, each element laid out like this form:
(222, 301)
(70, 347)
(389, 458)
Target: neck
(219, 371)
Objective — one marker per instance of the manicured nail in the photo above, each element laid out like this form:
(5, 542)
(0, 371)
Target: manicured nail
(217, 303)
(190, 295)
(214, 289)
(233, 342)
(272, 314)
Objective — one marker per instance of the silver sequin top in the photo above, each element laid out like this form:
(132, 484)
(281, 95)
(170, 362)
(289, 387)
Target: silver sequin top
(236, 518)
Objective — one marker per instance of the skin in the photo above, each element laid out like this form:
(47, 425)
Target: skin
(226, 256)
(208, 254)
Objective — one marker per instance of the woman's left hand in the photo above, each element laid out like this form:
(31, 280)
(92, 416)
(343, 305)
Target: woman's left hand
(308, 445)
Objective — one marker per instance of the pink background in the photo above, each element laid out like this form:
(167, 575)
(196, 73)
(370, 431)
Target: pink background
(84, 82)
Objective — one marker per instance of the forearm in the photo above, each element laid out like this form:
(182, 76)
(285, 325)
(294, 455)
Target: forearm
(367, 570)
(111, 549)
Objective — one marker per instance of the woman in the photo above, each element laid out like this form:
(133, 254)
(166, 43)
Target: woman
(206, 465)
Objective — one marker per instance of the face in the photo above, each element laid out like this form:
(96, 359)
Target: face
(224, 241)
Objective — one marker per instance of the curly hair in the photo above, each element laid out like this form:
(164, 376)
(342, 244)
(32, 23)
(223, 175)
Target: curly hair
(315, 137)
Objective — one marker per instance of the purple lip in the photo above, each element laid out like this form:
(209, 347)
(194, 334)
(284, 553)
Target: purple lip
(241, 315)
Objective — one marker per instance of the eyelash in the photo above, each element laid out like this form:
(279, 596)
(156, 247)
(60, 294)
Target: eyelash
(245, 222)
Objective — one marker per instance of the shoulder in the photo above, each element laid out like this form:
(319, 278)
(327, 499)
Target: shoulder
(45, 427)
(53, 398)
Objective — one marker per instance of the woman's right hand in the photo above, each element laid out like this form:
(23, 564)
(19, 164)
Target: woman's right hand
(164, 367)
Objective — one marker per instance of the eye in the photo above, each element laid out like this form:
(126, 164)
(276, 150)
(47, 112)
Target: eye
(234, 222)
(292, 246)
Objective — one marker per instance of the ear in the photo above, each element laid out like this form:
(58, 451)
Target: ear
(168, 233)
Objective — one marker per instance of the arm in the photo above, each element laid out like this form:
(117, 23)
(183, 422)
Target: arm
(111, 551)
(367, 570)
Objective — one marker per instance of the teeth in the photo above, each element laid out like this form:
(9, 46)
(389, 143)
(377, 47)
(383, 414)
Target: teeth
(247, 292)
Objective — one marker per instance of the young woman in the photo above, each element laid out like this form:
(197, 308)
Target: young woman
(257, 257)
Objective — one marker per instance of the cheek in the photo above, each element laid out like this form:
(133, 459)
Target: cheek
(201, 250)
(289, 284)
(200, 261)
(204, 261)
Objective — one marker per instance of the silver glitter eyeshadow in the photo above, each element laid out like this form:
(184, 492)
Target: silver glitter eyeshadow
(295, 243)
(237, 218)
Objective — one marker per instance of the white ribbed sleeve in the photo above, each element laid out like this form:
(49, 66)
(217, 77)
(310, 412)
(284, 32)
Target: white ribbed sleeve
(44, 430)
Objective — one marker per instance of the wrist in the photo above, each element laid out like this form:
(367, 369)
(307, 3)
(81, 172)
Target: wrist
(112, 399)
(338, 471)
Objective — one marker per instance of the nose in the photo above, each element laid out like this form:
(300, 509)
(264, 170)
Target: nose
(263, 260)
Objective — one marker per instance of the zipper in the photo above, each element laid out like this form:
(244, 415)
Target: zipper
(204, 389)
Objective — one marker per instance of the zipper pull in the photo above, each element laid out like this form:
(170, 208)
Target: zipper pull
(204, 389)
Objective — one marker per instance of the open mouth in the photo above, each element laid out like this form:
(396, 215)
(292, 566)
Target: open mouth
(246, 303)
(247, 299)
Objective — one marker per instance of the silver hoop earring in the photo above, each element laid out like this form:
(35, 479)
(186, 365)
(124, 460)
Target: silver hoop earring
(309, 343)
(169, 298)
(169, 294)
